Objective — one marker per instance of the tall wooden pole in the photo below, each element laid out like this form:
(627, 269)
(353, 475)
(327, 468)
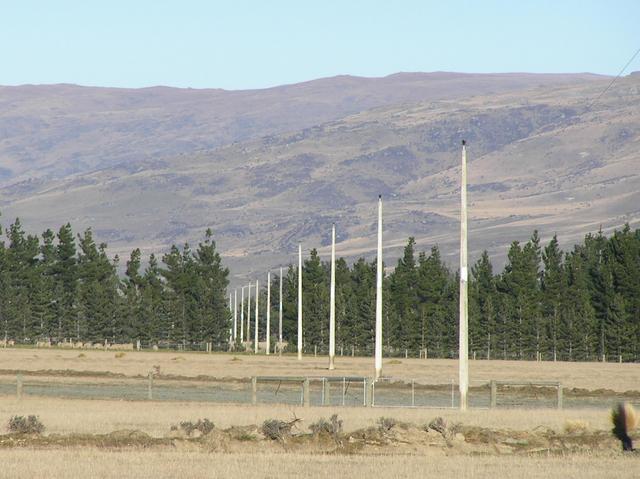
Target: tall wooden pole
(280, 316)
(235, 315)
(249, 315)
(378, 352)
(268, 328)
(232, 310)
(332, 304)
(464, 321)
(242, 315)
(255, 333)
(241, 323)
(299, 301)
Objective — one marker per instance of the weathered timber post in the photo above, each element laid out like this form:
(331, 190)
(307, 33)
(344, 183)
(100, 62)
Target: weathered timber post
(560, 394)
(299, 301)
(255, 335)
(254, 390)
(326, 392)
(332, 302)
(280, 317)
(413, 393)
(378, 340)
(268, 327)
(150, 386)
(494, 393)
(241, 315)
(463, 358)
(369, 391)
(249, 314)
(305, 392)
(19, 386)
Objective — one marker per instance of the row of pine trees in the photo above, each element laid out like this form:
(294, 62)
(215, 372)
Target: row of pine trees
(546, 303)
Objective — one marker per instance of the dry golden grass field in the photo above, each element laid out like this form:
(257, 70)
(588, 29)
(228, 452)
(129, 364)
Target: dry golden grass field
(614, 376)
(117, 438)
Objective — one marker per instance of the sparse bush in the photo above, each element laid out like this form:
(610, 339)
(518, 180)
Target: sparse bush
(394, 361)
(82, 355)
(25, 425)
(332, 427)
(385, 424)
(575, 426)
(439, 424)
(276, 429)
(245, 436)
(204, 426)
(120, 355)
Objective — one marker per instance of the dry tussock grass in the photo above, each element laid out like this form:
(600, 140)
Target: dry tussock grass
(169, 463)
(618, 377)
(98, 416)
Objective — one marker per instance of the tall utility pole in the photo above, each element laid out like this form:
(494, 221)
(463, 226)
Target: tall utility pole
(268, 329)
(378, 358)
(235, 334)
(249, 315)
(299, 301)
(332, 304)
(255, 341)
(464, 321)
(235, 315)
(235, 318)
(242, 315)
(232, 321)
(280, 316)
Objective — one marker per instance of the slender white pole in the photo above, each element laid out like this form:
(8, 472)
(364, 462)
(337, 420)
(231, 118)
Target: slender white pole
(299, 301)
(241, 322)
(235, 327)
(242, 315)
(332, 304)
(464, 353)
(255, 340)
(231, 318)
(378, 357)
(249, 314)
(235, 315)
(268, 328)
(280, 314)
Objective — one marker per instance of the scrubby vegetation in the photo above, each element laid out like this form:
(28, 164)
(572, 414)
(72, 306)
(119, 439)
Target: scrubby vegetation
(25, 425)
(276, 429)
(204, 426)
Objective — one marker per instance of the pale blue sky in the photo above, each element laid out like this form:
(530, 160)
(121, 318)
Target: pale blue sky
(243, 44)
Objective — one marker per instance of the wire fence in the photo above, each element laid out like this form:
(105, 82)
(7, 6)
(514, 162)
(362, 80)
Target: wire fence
(347, 391)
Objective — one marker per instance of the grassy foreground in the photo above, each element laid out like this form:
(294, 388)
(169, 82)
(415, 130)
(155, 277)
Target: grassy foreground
(144, 464)
(114, 438)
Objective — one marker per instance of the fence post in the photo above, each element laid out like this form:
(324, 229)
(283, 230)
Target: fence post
(368, 389)
(254, 390)
(372, 392)
(326, 392)
(453, 395)
(494, 393)
(559, 395)
(413, 393)
(344, 389)
(305, 392)
(150, 386)
(19, 386)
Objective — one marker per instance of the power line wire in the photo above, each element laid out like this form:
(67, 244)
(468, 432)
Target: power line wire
(614, 79)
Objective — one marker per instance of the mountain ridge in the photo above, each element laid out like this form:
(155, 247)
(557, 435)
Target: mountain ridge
(264, 194)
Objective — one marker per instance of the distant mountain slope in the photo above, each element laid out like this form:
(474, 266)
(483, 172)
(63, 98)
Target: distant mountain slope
(57, 130)
(538, 159)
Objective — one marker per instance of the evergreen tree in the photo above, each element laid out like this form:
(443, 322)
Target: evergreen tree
(482, 306)
(554, 296)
